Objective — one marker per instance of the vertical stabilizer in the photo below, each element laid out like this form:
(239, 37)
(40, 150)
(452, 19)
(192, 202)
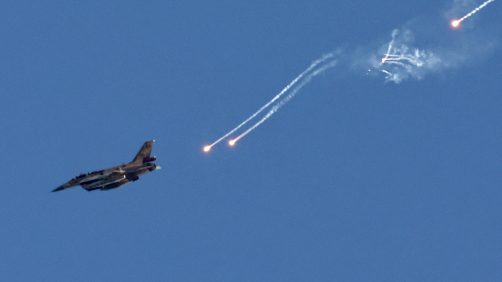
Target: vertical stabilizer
(144, 152)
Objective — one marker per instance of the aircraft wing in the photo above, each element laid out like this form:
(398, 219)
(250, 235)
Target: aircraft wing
(113, 177)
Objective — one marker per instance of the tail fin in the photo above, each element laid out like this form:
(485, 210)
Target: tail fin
(144, 152)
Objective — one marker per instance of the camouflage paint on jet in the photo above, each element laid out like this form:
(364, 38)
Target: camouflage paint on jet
(114, 177)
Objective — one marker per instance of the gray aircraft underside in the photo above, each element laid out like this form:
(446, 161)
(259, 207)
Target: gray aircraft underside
(117, 176)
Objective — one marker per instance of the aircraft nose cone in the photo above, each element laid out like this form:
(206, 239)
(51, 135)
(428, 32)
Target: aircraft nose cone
(60, 188)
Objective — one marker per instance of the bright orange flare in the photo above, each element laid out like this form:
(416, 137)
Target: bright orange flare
(207, 148)
(232, 142)
(455, 23)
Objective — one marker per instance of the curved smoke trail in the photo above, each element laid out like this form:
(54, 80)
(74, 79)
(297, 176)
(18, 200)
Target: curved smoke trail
(284, 101)
(275, 98)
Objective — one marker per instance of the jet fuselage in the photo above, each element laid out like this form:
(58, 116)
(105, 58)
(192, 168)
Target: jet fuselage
(117, 176)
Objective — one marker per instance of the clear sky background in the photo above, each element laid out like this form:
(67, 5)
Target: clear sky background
(354, 180)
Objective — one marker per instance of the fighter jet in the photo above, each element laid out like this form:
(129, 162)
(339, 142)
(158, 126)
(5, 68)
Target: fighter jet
(114, 177)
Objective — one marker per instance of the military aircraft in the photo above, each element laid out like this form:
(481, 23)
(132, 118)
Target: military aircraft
(114, 177)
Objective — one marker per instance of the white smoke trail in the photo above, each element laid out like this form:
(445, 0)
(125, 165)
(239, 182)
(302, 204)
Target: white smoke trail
(401, 58)
(286, 99)
(456, 23)
(314, 64)
(388, 54)
(402, 61)
(398, 60)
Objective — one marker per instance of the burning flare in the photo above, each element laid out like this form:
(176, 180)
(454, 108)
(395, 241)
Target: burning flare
(456, 23)
(207, 148)
(232, 142)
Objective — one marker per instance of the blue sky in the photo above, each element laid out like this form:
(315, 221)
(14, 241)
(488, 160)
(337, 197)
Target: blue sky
(356, 179)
